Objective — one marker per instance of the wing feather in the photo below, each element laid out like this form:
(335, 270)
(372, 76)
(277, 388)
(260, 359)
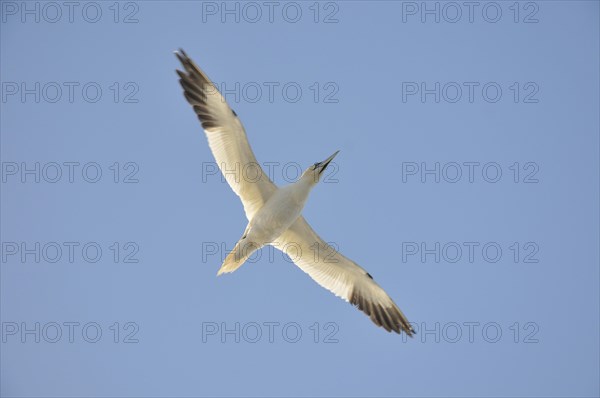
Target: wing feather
(342, 277)
(226, 137)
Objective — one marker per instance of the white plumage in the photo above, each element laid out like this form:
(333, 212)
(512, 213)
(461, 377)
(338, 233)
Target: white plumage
(274, 214)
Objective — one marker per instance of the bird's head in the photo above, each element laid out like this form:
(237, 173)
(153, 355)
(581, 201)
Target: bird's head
(314, 172)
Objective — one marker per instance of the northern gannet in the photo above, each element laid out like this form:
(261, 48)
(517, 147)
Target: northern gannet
(274, 214)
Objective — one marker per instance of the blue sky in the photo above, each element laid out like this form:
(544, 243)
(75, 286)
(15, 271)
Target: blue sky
(467, 184)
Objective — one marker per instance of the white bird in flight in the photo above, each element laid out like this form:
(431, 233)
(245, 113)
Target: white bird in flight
(274, 214)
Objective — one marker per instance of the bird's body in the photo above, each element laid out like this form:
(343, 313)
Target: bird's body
(279, 212)
(275, 214)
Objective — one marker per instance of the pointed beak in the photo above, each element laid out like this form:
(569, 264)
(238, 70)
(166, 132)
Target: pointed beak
(323, 165)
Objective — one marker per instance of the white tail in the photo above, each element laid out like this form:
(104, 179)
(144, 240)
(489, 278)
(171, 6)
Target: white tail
(240, 253)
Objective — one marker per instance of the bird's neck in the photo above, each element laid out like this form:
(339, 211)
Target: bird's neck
(301, 189)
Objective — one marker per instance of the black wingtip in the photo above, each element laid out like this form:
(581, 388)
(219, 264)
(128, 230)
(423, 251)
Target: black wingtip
(182, 56)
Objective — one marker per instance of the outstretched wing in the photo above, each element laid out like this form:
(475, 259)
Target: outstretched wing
(226, 137)
(342, 276)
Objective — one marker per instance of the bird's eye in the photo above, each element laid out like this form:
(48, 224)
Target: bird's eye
(316, 165)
